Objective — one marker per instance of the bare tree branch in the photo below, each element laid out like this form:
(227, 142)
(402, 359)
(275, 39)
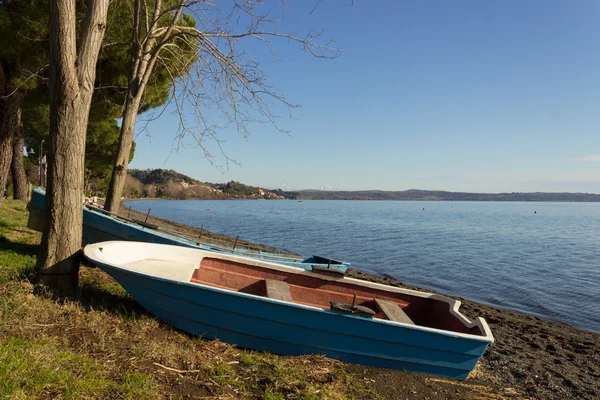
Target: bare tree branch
(32, 75)
(216, 81)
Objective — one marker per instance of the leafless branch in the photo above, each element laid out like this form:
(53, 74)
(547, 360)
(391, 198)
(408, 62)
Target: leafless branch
(216, 80)
(31, 76)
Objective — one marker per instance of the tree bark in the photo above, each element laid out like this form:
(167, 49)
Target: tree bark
(6, 130)
(17, 167)
(72, 75)
(5, 152)
(119, 173)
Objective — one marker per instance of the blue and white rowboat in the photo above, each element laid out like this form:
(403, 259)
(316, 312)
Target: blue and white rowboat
(100, 226)
(276, 308)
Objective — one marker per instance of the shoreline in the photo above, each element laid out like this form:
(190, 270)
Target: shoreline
(532, 357)
(377, 200)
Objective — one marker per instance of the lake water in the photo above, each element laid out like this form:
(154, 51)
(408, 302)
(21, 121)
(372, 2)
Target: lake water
(539, 258)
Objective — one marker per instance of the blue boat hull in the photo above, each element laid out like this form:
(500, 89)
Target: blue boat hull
(99, 227)
(291, 329)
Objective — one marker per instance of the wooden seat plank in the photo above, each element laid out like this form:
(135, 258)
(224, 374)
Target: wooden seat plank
(278, 290)
(393, 311)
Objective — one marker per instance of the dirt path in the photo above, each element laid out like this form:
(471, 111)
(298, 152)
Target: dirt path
(531, 357)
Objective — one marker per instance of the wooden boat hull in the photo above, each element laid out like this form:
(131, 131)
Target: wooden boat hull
(280, 327)
(100, 227)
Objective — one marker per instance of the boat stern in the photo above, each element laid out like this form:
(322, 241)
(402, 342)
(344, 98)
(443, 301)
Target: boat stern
(37, 210)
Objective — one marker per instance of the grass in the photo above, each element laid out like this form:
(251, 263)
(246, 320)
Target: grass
(99, 343)
(40, 368)
(18, 245)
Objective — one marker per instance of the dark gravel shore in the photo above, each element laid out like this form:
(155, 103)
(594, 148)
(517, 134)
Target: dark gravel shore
(531, 357)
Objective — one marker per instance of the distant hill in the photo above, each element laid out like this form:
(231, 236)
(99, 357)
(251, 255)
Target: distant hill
(166, 183)
(415, 194)
(241, 191)
(160, 176)
(169, 184)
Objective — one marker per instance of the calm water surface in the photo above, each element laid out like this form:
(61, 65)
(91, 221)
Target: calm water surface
(501, 253)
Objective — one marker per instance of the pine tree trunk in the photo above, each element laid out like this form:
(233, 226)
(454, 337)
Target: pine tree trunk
(5, 154)
(119, 173)
(7, 111)
(17, 167)
(71, 83)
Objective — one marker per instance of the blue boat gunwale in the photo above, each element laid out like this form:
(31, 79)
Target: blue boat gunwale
(454, 305)
(196, 245)
(172, 238)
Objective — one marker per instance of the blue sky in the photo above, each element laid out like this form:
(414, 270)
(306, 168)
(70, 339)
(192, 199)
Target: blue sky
(483, 96)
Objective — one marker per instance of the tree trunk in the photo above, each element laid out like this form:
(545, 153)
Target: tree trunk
(119, 173)
(7, 122)
(17, 167)
(71, 83)
(143, 60)
(5, 152)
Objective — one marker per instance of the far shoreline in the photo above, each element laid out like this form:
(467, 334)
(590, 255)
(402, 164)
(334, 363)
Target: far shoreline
(374, 200)
(159, 183)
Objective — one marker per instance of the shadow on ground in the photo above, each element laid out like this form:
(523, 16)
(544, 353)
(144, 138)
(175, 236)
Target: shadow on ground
(19, 248)
(95, 298)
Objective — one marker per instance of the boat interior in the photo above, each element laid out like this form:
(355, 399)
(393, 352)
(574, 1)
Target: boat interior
(331, 293)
